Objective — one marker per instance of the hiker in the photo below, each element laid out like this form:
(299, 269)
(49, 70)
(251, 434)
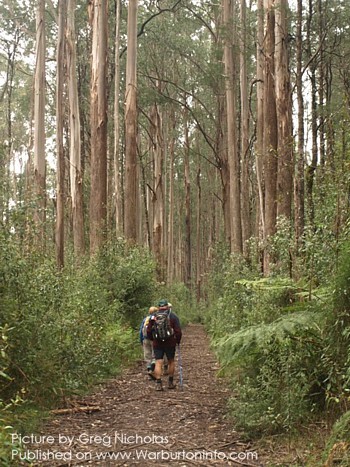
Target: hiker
(165, 332)
(146, 343)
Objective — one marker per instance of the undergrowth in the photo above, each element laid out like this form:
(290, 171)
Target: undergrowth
(285, 348)
(63, 331)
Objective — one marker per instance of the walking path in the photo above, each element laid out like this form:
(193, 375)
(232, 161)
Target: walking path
(132, 424)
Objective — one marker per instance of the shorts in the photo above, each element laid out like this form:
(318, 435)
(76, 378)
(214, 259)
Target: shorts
(169, 352)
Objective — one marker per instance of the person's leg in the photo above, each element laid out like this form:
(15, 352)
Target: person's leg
(158, 368)
(158, 354)
(165, 365)
(147, 352)
(171, 367)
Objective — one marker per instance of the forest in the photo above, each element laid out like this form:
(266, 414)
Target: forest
(193, 150)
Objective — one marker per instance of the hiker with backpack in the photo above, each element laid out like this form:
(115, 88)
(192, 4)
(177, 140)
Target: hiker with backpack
(164, 331)
(146, 343)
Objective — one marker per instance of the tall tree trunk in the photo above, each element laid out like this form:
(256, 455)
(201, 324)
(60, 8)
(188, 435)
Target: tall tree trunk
(117, 154)
(187, 179)
(321, 83)
(158, 191)
(7, 192)
(311, 169)
(199, 232)
(39, 123)
(60, 171)
(221, 151)
(299, 179)
(233, 158)
(270, 131)
(260, 124)
(170, 242)
(284, 112)
(246, 218)
(130, 220)
(98, 195)
(76, 178)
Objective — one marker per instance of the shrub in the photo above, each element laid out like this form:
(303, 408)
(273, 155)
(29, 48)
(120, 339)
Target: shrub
(337, 449)
(70, 328)
(271, 344)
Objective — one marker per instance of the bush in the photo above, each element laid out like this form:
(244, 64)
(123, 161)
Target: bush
(270, 343)
(70, 328)
(337, 450)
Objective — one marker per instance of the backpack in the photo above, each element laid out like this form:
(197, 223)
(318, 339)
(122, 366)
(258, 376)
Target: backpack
(162, 329)
(144, 328)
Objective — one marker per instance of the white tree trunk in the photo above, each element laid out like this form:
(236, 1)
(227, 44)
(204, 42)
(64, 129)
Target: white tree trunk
(39, 120)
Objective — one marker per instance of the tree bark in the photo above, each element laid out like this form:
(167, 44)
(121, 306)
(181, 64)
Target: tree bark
(233, 158)
(246, 217)
(158, 191)
(311, 168)
(270, 132)
(170, 249)
(60, 171)
(188, 233)
(76, 178)
(98, 195)
(299, 189)
(284, 113)
(39, 123)
(130, 220)
(119, 213)
(260, 124)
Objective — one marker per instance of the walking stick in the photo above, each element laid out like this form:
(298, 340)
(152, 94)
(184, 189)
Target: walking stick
(180, 368)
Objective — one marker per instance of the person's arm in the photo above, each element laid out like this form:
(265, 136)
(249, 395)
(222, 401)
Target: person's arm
(141, 331)
(177, 328)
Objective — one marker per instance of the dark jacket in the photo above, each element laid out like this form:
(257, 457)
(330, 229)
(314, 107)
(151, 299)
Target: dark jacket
(174, 323)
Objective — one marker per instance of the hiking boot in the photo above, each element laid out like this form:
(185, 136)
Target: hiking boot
(171, 385)
(159, 386)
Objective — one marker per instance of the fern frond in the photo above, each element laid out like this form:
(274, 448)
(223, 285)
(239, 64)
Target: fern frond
(266, 283)
(242, 343)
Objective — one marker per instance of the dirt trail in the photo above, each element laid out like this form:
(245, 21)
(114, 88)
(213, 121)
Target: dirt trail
(137, 425)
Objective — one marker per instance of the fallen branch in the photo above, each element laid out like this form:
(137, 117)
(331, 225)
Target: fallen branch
(86, 409)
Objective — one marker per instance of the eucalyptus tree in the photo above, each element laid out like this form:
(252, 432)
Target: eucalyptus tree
(299, 188)
(270, 131)
(131, 192)
(232, 147)
(117, 152)
(284, 111)
(245, 137)
(60, 111)
(76, 179)
(39, 121)
(98, 95)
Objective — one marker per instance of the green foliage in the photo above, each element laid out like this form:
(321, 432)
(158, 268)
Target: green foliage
(281, 366)
(337, 345)
(256, 339)
(270, 342)
(6, 408)
(342, 286)
(338, 443)
(70, 328)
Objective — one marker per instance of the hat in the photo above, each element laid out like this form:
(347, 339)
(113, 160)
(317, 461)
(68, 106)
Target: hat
(163, 303)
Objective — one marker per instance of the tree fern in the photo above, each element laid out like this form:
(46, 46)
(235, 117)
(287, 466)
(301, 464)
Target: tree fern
(233, 347)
